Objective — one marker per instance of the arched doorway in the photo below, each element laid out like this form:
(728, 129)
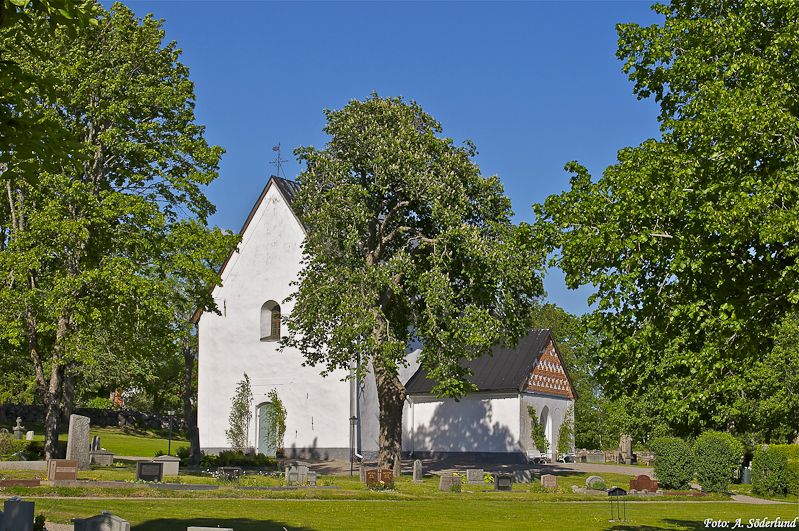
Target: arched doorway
(546, 421)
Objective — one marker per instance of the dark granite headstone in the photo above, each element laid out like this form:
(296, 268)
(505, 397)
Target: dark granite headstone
(18, 515)
(101, 522)
(149, 471)
(503, 482)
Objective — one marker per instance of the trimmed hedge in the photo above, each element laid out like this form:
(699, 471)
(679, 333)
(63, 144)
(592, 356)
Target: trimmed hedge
(769, 472)
(674, 462)
(717, 455)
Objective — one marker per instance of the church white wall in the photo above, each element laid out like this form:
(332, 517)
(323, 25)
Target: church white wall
(556, 408)
(481, 423)
(230, 344)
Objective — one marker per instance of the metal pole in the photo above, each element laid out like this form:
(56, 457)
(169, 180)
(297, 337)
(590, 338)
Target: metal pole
(169, 448)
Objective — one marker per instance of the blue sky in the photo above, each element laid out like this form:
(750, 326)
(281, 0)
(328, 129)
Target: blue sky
(533, 84)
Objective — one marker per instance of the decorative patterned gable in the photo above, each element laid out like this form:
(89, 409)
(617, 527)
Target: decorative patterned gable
(548, 375)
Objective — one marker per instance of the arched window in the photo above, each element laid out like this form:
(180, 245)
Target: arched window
(270, 321)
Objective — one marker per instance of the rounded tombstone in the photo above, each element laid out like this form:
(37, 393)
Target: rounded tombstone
(595, 480)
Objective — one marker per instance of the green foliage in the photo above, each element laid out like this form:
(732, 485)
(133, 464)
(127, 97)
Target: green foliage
(407, 217)
(598, 485)
(9, 446)
(278, 419)
(674, 462)
(234, 458)
(537, 431)
(566, 433)
(101, 403)
(240, 416)
(769, 472)
(35, 450)
(184, 453)
(690, 240)
(38, 522)
(716, 455)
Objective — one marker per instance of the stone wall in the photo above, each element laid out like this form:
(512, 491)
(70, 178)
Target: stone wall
(99, 417)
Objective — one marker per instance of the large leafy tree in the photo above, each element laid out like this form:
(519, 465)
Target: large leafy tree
(406, 242)
(691, 240)
(97, 256)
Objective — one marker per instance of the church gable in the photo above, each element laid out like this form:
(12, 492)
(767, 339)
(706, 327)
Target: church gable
(548, 374)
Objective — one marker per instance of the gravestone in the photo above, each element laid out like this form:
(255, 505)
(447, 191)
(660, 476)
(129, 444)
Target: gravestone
(474, 476)
(595, 457)
(522, 476)
(149, 471)
(103, 458)
(171, 464)
(642, 482)
(417, 472)
(362, 473)
(549, 481)
(371, 477)
(626, 445)
(29, 436)
(95, 443)
(450, 483)
(18, 515)
(79, 441)
(387, 476)
(2, 521)
(19, 429)
(227, 473)
(311, 479)
(503, 482)
(297, 475)
(589, 483)
(101, 522)
(62, 470)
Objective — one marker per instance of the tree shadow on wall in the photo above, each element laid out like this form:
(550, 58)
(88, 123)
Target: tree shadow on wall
(238, 524)
(464, 427)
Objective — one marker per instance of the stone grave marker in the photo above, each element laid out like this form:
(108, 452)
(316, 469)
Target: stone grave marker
(474, 476)
(387, 476)
(29, 435)
(149, 471)
(95, 443)
(503, 482)
(227, 473)
(19, 429)
(362, 473)
(595, 457)
(2, 521)
(642, 482)
(18, 515)
(417, 472)
(171, 464)
(79, 441)
(522, 476)
(101, 522)
(103, 458)
(450, 483)
(372, 476)
(311, 479)
(626, 445)
(549, 481)
(589, 483)
(62, 470)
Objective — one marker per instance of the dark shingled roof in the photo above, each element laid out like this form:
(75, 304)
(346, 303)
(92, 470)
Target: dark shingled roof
(506, 370)
(287, 188)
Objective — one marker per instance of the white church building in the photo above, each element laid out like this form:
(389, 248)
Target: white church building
(332, 417)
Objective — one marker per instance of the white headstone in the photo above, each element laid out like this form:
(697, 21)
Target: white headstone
(29, 436)
(417, 472)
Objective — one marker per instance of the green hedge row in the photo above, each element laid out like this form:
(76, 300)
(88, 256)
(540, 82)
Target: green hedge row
(775, 472)
(713, 460)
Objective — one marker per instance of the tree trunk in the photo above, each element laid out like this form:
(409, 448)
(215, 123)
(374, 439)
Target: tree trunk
(69, 392)
(188, 374)
(391, 397)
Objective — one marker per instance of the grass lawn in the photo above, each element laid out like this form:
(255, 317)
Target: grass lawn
(122, 441)
(467, 512)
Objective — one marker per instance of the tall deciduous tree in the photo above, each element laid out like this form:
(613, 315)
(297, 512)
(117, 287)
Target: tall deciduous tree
(691, 240)
(98, 257)
(406, 242)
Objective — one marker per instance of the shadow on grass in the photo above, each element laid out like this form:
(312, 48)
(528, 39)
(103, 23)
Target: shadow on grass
(238, 524)
(671, 522)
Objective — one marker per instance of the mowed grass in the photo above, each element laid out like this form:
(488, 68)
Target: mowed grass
(122, 441)
(466, 512)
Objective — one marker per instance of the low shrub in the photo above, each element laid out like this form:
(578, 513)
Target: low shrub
(234, 458)
(35, 450)
(9, 446)
(674, 462)
(769, 472)
(716, 456)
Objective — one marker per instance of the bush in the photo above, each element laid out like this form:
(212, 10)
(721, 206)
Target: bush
(769, 472)
(674, 462)
(9, 446)
(233, 458)
(183, 453)
(35, 450)
(716, 455)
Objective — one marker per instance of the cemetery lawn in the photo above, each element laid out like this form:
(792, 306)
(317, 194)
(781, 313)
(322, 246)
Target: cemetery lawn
(122, 441)
(466, 512)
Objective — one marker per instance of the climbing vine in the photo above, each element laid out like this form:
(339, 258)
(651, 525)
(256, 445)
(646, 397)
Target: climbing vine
(278, 419)
(537, 431)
